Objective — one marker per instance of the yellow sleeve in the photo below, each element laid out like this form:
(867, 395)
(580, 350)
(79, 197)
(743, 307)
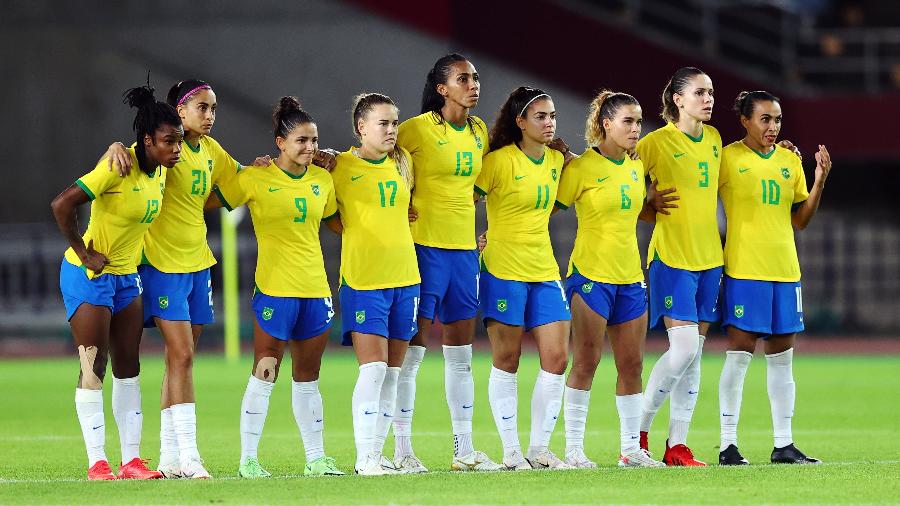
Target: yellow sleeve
(330, 205)
(488, 178)
(99, 180)
(570, 188)
(224, 166)
(801, 193)
(724, 170)
(646, 150)
(408, 136)
(234, 192)
(481, 131)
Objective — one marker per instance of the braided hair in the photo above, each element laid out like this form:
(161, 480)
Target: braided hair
(151, 114)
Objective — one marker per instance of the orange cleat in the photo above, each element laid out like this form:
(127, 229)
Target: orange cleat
(681, 455)
(100, 471)
(137, 469)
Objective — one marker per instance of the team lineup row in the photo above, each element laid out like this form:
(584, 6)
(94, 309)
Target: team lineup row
(403, 202)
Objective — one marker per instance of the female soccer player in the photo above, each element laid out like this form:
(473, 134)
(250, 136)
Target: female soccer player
(605, 284)
(379, 276)
(519, 285)
(446, 144)
(763, 189)
(685, 253)
(292, 300)
(100, 285)
(175, 271)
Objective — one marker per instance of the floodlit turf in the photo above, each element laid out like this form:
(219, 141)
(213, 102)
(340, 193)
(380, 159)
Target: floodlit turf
(848, 414)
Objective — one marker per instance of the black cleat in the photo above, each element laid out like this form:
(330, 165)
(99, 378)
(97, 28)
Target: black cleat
(730, 456)
(791, 455)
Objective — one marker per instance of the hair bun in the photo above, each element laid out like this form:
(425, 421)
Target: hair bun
(289, 104)
(139, 97)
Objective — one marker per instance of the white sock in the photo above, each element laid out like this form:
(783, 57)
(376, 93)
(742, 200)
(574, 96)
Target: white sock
(684, 399)
(629, 408)
(406, 400)
(576, 411)
(366, 395)
(731, 389)
(387, 403)
(185, 418)
(503, 393)
(780, 383)
(546, 402)
(254, 408)
(126, 406)
(168, 443)
(310, 416)
(89, 407)
(460, 389)
(668, 370)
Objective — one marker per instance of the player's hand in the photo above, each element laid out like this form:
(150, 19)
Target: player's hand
(93, 259)
(262, 161)
(788, 145)
(412, 213)
(823, 165)
(662, 200)
(559, 144)
(118, 158)
(633, 154)
(327, 159)
(482, 242)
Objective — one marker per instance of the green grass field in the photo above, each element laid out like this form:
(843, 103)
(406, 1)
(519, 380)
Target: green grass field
(848, 414)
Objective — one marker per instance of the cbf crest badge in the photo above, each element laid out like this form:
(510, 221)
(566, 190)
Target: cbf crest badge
(315, 189)
(587, 287)
(502, 305)
(633, 175)
(668, 301)
(738, 311)
(553, 174)
(716, 151)
(360, 317)
(478, 142)
(267, 313)
(785, 172)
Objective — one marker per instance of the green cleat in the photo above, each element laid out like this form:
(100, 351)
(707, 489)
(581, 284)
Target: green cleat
(322, 466)
(252, 469)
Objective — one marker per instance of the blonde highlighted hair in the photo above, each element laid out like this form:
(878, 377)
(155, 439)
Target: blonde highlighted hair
(604, 106)
(362, 104)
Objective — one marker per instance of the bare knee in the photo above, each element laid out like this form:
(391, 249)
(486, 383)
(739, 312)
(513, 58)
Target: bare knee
(630, 368)
(266, 369)
(507, 360)
(555, 362)
(180, 358)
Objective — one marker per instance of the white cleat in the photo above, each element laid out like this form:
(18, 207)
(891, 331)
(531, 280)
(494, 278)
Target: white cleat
(639, 458)
(409, 464)
(576, 458)
(515, 461)
(547, 460)
(475, 461)
(169, 467)
(194, 470)
(373, 466)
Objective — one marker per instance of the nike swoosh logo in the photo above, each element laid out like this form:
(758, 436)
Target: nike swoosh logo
(723, 414)
(679, 155)
(387, 415)
(602, 179)
(467, 407)
(252, 413)
(441, 143)
(273, 189)
(370, 412)
(97, 427)
(663, 391)
(692, 392)
(405, 410)
(743, 169)
(319, 420)
(136, 189)
(507, 417)
(518, 177)
(634, 437)
(354, 178)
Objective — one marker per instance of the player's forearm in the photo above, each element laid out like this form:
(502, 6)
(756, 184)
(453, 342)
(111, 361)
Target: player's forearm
(66, 217)
(647, 213)
(804, 214)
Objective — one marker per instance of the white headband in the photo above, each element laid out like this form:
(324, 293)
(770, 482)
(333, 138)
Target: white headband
(522, 112)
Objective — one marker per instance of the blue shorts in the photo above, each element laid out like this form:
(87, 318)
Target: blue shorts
(115, 291)
(519, 303)
(449, 283)
(683, 295)
(388, 312)
(617, 303)
(296, 318)
(176, 296)
(763, 307)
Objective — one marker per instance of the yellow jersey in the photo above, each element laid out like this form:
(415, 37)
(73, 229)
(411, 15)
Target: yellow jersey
(688, 238)
(122, 209)
(286, 211)
(758, 192)
(608, 196)
(377, 249)
(520, 195)
(176, 242)
(447, 161)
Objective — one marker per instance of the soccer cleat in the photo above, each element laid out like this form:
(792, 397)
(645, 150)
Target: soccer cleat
(547, 460)
(639, 458)
(730, 456)
(681, 455)
(373, 466)
(322, 466)
(194, 469)
(170, 468)
(645, 444)
(475, 461)
(252, 469)
(409, 464)
(100, 471)
(136, 469)
(791, 455)
(515, 461)
(576, 458)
